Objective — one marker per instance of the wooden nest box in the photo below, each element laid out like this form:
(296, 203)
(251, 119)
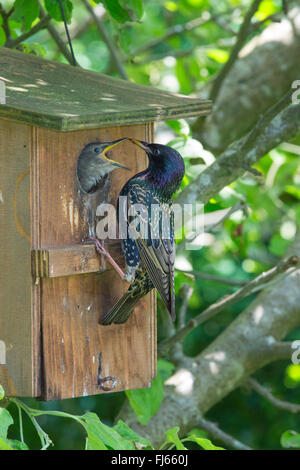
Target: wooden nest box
(51, 294)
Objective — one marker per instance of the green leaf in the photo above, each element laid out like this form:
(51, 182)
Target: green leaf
(197, 433)
(25, 12)
(53, 8)
(180, 126)
(100, 436)
(146, 401)
(290, 439)
(5, 421)
(278, 245)
(125, 40)
(33, 48)
(219, 55)
(4, 445)
(17, 445)
(206, 444)
(172, 436)
(116, 11)
(128, 433)
(2, 36)
(134, 7)
(2, 393)
(165, 369)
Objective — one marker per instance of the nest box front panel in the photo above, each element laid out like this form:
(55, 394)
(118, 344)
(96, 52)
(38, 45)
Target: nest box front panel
(72, 296)
(19, 328)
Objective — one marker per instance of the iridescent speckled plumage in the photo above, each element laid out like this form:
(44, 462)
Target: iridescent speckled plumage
(149, 259)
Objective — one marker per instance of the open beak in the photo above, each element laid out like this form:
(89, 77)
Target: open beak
(140, 143)
(110, 146)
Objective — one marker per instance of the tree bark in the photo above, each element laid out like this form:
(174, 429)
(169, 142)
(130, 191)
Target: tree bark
(244, 347)
(266, 68)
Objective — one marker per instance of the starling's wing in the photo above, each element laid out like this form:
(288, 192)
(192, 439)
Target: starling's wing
(157, 249)
(122, 310)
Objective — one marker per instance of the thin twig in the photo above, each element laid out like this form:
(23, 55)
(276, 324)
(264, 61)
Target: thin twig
(113, 51)
(42, 24)
(222, 436)
(173, 31)
(240, 205)
(253, 286)
(169, 53)
(240, 40)
(264, 392)
(5, 15)
(57, 37)
(274, 18)
(212, 277)
(279, 350)
(67, 32)
(264, 121)
(187, 291)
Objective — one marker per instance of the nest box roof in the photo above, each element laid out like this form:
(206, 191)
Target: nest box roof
(51, 94)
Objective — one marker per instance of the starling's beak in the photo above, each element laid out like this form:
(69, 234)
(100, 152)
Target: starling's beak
(141, 144)
(110, 146)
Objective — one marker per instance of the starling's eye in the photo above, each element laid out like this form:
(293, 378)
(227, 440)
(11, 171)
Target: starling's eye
(156, 152)
(97, 150)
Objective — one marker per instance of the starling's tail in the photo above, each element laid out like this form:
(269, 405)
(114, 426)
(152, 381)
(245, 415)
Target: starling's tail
(122, 310)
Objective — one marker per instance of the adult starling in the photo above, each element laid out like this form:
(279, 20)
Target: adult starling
(93, 164)
(150, 253)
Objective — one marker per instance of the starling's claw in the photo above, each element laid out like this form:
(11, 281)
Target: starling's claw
(99, 245)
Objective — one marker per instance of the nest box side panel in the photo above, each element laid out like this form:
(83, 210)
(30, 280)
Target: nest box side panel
(75, 346)
(19, 331)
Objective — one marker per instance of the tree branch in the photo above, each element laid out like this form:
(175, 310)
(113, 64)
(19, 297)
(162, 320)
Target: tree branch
(264, 71)
(42, 24)
(173, 31)
(240, 40)
(240, 205)
(222, 436)
(187, 291)
(264, 392)
(227, 168)
(255, 285)
(279, 350)
(241, 349)
(212, 277)
(5, 15)
(113, 51)
(56, 37)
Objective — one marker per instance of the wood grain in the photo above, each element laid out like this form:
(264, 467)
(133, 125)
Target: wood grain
(18, 329)
(62, 97)
(71, 260)
(71, 306)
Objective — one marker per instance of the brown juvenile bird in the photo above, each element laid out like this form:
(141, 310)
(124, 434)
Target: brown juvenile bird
(93, 164)
(92, 168)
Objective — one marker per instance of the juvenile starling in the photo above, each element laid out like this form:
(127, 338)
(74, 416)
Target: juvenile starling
(150, 255)
(93, 164)
(92, 167)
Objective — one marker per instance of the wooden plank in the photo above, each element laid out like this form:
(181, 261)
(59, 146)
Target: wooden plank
(62, 97)
(71, 306)
(70, 260)
(18, 332)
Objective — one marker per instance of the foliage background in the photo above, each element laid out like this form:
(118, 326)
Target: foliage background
(244, 246)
